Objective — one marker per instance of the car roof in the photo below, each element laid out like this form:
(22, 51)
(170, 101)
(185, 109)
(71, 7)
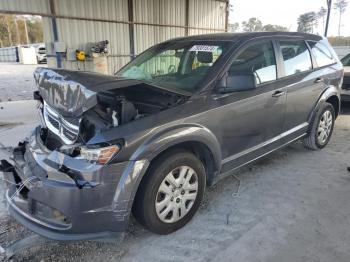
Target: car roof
(248, 35)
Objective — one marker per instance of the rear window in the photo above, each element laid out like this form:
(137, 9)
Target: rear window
(321, 53)
(296, 57)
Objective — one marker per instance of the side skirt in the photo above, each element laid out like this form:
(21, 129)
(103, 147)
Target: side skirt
(243, 160)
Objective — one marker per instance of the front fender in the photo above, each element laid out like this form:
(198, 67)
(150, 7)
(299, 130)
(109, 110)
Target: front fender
(172, 136)
(152, 147)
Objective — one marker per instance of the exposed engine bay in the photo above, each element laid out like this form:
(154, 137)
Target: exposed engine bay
(75, 106)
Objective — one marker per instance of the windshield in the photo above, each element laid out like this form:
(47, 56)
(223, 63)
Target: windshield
(42, 50)
(175, 65)
(346, 60)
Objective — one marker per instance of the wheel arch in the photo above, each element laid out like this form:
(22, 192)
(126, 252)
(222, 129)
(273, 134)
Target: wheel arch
(330, 95)
(335, 102)
(194, 138)
(201, 151)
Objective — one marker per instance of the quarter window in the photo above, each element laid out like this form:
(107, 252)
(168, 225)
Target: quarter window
(258, 59)
(321, 53)
(296, 57)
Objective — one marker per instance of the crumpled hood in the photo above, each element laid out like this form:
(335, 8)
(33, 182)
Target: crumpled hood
(71, 93)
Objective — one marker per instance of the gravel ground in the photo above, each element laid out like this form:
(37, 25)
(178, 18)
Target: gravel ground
(290, 206)
(16, 81)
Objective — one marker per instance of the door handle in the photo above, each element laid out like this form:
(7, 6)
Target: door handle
(278, 93)
(318, 80)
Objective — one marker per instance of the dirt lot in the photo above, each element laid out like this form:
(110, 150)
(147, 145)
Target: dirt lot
(16, 81)
(291, 206)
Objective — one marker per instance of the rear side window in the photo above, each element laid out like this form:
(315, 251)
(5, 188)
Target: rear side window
(296, 57)
(321, 53)
(258, 59)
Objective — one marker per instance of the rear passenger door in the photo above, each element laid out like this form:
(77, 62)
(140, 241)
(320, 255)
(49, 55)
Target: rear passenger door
(303, 85)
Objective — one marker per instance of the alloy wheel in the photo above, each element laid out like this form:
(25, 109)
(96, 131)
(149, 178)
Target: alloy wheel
(324, 127)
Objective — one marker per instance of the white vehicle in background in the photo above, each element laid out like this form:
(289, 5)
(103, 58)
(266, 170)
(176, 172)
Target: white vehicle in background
(41, 54)
(345, 92)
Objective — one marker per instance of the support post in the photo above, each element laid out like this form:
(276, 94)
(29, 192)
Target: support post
(131, 28)
(55, 31)
(329, 5)
(187, 18)
(227, 7)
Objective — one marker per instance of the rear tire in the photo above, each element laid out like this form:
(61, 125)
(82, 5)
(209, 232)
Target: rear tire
(322, 128)
(170, 193)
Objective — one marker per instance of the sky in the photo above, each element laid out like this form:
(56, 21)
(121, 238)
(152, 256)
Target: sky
(286, 13)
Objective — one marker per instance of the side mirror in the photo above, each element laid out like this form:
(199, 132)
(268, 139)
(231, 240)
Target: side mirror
(237, 83)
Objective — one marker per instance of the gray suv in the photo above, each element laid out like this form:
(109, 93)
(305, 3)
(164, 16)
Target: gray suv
(182, 115)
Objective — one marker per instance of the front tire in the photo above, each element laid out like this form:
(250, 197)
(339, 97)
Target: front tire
(170, 193)
(322, 128)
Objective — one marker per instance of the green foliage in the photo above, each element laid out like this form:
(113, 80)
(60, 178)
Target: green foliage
(35, 31)
(252, 25)
(340, 6)
(12, 30)
(306, 22)
(233, 27)
(274, 28)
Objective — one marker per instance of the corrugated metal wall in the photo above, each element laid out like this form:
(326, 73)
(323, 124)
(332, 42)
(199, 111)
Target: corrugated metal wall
(206, 14)
(39, 6)
(78, 33)
(81, 22)
(8, 54)
(158, 12)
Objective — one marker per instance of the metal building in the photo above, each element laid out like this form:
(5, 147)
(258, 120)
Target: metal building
(131, 26)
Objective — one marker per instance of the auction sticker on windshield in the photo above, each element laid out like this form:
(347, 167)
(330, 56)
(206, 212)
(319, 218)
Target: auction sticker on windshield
(204, 48)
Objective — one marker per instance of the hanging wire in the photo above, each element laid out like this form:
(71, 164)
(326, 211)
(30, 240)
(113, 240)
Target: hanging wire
(23, 184)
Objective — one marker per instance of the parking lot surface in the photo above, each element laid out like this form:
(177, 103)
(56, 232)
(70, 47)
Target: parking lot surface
(16, 81)
(290, 206)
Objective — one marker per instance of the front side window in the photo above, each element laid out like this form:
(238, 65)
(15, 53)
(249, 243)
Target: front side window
(321, 53)
(258, 59)
(177, 65)
(296, 57)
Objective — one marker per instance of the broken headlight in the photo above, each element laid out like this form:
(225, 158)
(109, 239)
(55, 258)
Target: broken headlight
(99, 155)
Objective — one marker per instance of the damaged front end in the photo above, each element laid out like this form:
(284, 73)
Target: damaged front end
(61, 197)
(62, 186)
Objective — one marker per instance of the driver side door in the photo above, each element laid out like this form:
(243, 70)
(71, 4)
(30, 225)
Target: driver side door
(251, 120)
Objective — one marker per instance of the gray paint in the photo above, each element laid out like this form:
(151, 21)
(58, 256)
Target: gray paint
(237, 128)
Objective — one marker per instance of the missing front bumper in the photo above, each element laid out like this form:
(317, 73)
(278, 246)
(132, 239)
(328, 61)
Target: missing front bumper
(55, 207)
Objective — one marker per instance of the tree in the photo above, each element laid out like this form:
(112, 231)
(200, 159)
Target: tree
(3, 32)
(274, 28)
(35, 30)
(252, 25)
(306, 22)
(233, 27)
(321, 14)
(16, 30)
(340, 5)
